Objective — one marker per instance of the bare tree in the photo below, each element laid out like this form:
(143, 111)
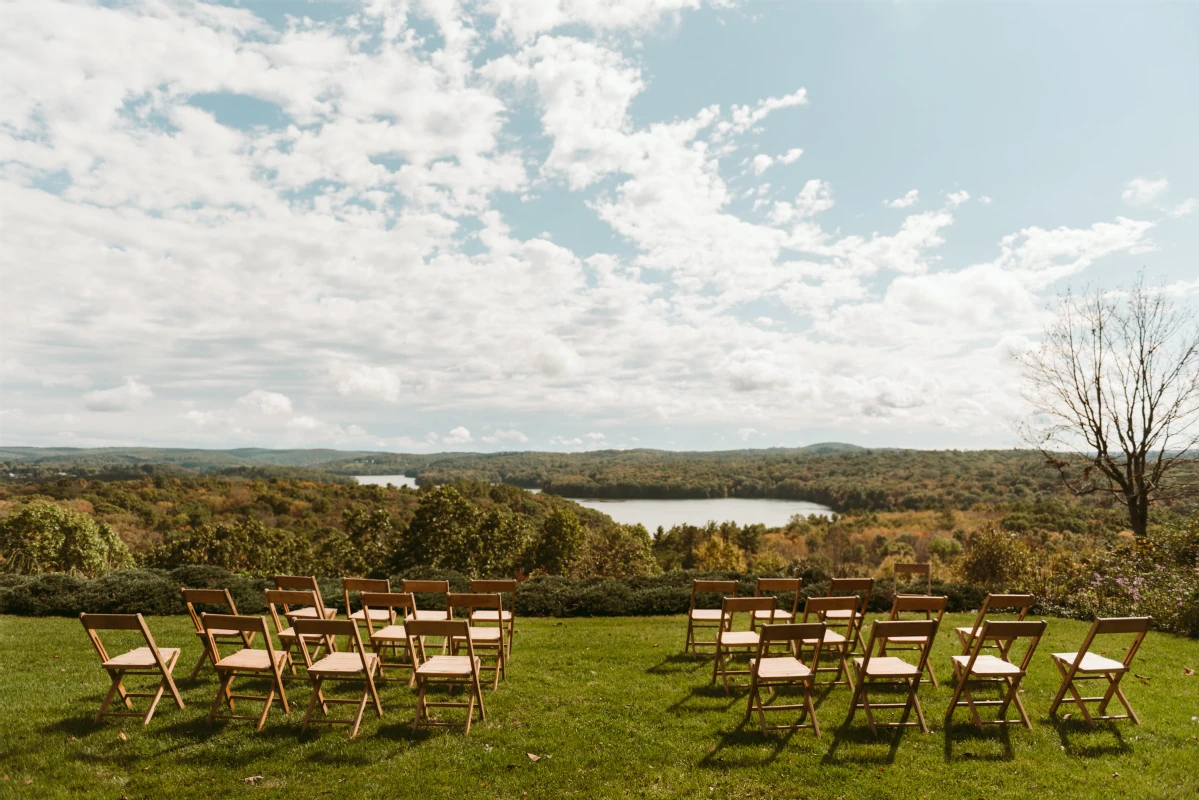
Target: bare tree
(1114, 388)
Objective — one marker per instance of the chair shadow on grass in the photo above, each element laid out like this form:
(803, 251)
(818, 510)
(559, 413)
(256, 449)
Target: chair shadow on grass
(693, 701)
(1080, 739)
(678, 663)
(961, 734)
(739, 747)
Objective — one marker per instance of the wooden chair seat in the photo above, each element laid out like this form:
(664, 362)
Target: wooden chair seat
(377, 615)
(248, 659)
(989, 666)
(740, 639)
(888, 667)
(489, 615)
(706, 614)
(830, 637)
(485, 634)
(430, 615)
(907, 639)
(448, 665)
(1091, 662)
(141, 658)
(838, 613)
(392, 633)
(310, 613)
(778, 615)
(289, 634)
(780, 667)
(343, 664)
(222, 634)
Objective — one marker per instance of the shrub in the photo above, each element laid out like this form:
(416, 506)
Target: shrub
(944, 549)
(46, 537)
(995, 559)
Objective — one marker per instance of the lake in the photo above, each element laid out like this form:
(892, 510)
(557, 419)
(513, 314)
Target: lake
(652, 513)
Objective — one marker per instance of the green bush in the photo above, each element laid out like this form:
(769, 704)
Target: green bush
(46, 537)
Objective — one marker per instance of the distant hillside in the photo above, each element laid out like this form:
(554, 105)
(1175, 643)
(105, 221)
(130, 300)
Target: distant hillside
(42, 462)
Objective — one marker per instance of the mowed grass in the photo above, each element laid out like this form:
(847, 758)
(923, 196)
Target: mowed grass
(613, 710)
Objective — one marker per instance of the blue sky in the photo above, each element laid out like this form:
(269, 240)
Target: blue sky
(502, 224)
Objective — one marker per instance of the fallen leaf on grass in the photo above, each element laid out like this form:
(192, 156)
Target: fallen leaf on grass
(122, 736)
(533, 757)
(29, 781)
(488, 747)
(1115, 774)
(1188, 671)
(70, 738)
(253, 779)
(1142, 677)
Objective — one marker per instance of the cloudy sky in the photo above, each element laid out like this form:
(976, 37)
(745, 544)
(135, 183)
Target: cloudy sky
(425, 225)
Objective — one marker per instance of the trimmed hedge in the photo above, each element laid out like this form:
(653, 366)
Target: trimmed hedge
(156, 592)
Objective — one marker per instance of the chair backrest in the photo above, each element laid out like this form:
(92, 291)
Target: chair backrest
(328, 628)
(119, 622)
(303, 582)
(731, 606)
(822, 605)
(206, 597)
(712, 587)
(490, 586)
(883, 630)
(794, 632)
(459, 629)
(1010, 631)
(288, 598)
(918, 570)
(1104, 626)
(493, 600)
(245, 624)
(919, 604)
(857, 586)
(793, 585)
(362, 585)
(1020, 603)
(426, 587)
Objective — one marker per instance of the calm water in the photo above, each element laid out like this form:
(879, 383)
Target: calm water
(652, 513)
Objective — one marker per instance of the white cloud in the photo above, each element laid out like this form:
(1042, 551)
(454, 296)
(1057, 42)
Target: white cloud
(562, 441)
(510, 435)
(748, 433)
(909, 199)
(595, 437)
(459, 435)
(1142, 191)
(957, 198)
(761, 163)
(986, 201)
(127, 397)
(264, 402)
(791, 156)
(1182, 209)
(361, 380)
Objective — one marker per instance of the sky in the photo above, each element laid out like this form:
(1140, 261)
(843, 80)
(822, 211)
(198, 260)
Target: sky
(430, 225)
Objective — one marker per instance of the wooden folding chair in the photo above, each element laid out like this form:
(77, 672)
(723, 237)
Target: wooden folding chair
(860, 588)
(1020, 603)
(914, 572)
(354, 665)
(284, 600)
(770, 671)
(392, 635)
(508, 614)
(305, 583)
(699, 618)
(444, 671)
(246, 662)
(773, 587)
(212, 597)
(728, 641)
(875, 670)
(148, 660)
(1085, 665)
(377, 585)
(917, 604)
(820, 609)
(485, 638)
(996, 670)
(427, 587)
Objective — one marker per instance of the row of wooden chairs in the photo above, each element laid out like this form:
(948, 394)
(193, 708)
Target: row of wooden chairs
(777, 640)
(305, 627)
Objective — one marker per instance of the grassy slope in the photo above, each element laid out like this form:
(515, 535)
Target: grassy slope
(615, 710)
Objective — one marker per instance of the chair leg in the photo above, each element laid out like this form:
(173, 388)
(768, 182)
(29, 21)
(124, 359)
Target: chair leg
(479, 692)
(266, 707)
(221, 694)
(807, 700)
(361, 708)
(311, 705)
(421, 710)
(112, 690)
(196, 670)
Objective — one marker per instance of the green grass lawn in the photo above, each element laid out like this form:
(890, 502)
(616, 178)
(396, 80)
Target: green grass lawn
(613, 710)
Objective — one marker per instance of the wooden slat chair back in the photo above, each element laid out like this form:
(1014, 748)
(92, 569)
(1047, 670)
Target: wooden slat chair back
(857, 587)
(508, 616)
(391, 635)
(709, 618)
(427, 587)
(280, 603)
(821, 609)
(774, 587)
(444, 671)
(356, 664)
(360, 585)
(1085, 665)
(773, 671)
(872, 669)
(147, 660)
(914, 576)
(729, 641)
(1018, 603)
(305, 583)
(214, 598)
(999, 670)
(931, 608)
(247, 661)
(484, 637)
